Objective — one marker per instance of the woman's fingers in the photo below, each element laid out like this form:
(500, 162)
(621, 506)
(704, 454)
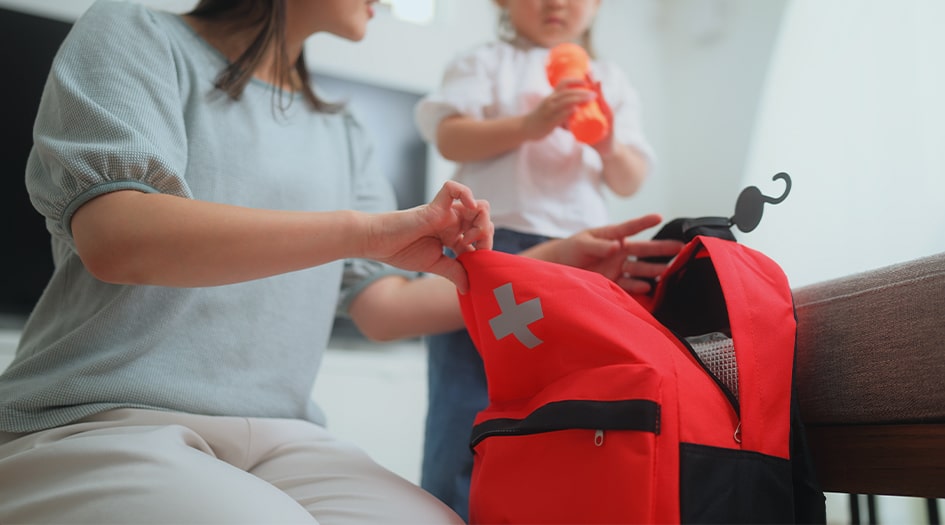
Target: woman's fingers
(452, 270)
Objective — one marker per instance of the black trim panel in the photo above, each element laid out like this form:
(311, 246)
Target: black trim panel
(720, 485)
(630, 414)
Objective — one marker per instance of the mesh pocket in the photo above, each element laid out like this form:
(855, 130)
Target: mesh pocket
(717, 352)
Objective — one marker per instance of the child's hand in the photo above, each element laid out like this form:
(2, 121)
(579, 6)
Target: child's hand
(607, 251)
(606, 145)
(414, 239)
(554, 110)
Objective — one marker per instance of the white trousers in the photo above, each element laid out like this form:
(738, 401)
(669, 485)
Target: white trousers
(145, 466)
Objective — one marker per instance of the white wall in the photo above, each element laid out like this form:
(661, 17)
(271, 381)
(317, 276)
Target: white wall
(404, 55)
(717, 53)
(853, 109)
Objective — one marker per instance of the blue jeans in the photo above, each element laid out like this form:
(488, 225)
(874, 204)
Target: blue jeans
(456, 384)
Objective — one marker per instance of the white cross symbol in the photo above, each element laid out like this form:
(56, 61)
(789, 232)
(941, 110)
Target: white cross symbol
(515, 318)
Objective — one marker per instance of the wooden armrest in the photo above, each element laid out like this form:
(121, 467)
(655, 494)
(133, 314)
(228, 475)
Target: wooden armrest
(869, 367)
(895, 460)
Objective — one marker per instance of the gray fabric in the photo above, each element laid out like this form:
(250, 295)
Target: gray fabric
(130, 104)
(871, 346)
(515, 317)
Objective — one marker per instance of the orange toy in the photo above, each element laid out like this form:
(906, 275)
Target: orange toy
(588, 122)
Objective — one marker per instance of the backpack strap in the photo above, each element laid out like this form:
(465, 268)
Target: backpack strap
(715, 285)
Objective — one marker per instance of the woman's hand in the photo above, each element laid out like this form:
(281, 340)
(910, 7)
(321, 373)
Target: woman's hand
(414, 239)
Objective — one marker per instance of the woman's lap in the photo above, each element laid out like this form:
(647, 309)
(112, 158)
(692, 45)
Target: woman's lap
(142, 466)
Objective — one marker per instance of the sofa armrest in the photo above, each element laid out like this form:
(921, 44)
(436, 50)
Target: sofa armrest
(869, 374)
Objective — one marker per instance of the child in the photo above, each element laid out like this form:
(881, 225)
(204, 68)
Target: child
(498, 118)
(205, 206)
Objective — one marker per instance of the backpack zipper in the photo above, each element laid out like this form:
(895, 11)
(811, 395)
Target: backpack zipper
(630, 414)
(737, 434)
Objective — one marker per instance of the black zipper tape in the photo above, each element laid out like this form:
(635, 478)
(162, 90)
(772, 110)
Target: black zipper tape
(631, 414)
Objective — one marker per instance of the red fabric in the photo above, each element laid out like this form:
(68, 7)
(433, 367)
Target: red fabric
(592, 341)
(761, 311)
(761, 314)
(587, 352)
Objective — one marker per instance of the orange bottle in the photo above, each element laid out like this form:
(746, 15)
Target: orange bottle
(587, 123)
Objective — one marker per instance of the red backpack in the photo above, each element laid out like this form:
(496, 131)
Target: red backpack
(603, 410)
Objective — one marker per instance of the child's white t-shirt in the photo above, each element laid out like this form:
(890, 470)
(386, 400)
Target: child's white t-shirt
(553, 186)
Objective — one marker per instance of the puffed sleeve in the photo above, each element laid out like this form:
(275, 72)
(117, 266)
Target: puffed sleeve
(373, 194)
(625, 104)
(466, 89)
(110, 116)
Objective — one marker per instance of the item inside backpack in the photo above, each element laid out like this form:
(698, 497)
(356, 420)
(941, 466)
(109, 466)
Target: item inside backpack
(693, 303)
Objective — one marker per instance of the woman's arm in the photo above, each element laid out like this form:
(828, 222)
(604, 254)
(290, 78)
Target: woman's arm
(128, 237)
(397, 308)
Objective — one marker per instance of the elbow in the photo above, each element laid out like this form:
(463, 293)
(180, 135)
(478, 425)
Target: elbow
(450, 139)
(108, 250)
(377, 332)
(623, 191)
(105, 263)
(628, 189)
(448, 150)
(637, 172)
(98, 265)
(449, 154)
(99, 256)
(374, 311)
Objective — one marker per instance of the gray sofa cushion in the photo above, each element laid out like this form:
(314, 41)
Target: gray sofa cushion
(871, 346)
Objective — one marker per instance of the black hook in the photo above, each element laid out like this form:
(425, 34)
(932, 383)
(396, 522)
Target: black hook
(750, 204)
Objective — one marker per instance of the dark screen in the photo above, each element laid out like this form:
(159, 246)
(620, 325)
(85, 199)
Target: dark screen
(27, 47)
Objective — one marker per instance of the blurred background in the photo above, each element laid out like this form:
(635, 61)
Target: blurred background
(844, 95)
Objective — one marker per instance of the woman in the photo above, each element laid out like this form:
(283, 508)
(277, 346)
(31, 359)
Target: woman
(202, 200)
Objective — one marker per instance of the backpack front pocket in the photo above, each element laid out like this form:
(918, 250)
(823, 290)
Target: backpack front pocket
(582, 451)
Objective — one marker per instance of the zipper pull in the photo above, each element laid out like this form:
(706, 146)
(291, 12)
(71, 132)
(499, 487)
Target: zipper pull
(738, 433)
(599, 438)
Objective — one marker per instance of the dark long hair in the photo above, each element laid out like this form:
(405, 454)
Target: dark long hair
(269, 17)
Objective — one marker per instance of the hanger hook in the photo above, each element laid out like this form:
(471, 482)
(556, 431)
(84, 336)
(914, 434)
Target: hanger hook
(750, 204)
(787, 188)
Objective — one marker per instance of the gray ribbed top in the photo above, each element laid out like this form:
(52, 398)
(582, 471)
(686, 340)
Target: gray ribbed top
(130, 104)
